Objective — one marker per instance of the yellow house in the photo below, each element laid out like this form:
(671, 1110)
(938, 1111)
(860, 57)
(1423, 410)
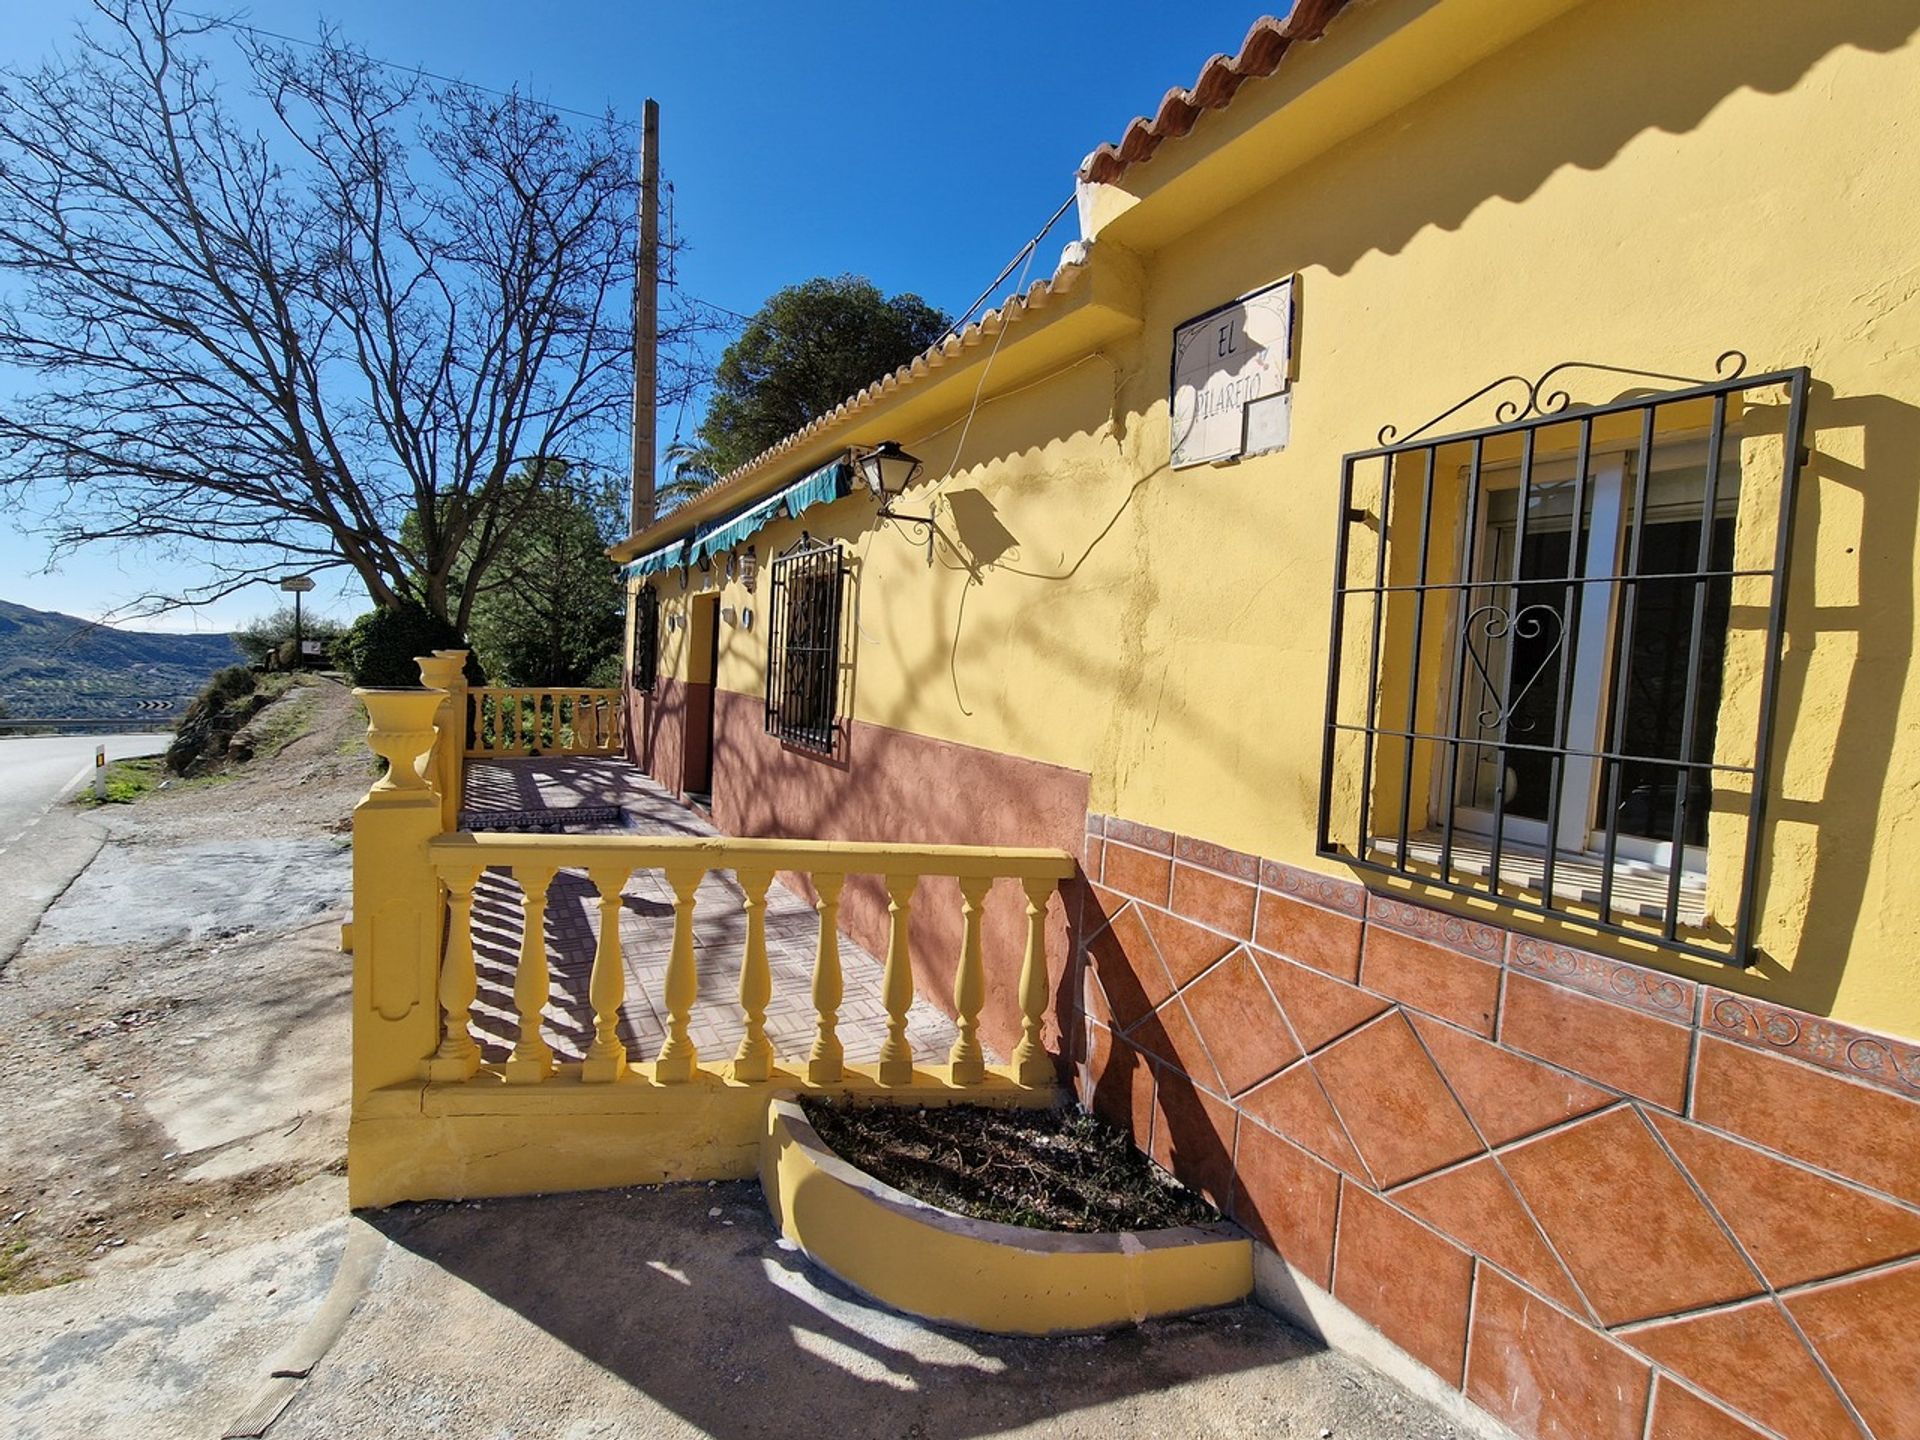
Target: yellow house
(1441, 546)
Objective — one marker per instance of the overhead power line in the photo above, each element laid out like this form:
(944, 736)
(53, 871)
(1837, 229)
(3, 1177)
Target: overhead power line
(1025, 253)
(421, 71)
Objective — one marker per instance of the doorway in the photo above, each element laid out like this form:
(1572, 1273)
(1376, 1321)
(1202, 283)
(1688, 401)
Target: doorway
(703, 679)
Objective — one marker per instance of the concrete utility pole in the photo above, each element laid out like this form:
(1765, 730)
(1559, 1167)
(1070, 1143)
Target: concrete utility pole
(646, 321)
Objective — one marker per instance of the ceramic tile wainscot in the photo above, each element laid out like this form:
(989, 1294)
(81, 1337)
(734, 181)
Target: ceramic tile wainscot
(1636, 1201)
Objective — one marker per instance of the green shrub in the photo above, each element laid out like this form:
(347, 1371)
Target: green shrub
(380, 647)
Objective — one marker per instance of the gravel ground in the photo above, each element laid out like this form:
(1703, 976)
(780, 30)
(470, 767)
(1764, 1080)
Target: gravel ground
(677, 1311)
(171, 1188)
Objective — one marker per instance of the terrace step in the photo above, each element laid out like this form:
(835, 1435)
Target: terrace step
(557, 820)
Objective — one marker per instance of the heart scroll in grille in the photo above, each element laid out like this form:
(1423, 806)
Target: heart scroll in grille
(1491, 624)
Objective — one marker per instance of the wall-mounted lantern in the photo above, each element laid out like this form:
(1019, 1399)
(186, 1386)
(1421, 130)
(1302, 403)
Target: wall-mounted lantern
(887, 470)
(749, 567)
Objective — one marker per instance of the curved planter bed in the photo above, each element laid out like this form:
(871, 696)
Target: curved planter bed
(1006, 1279)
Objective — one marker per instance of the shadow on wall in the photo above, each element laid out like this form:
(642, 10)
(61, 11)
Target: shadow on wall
(913, 790)
(1623, 88)
(1873, 617)
(731, 1332)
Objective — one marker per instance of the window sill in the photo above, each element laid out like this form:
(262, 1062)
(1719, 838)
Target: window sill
(1639, 889)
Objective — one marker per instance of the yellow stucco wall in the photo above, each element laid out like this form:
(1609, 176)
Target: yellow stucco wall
(1635, 182)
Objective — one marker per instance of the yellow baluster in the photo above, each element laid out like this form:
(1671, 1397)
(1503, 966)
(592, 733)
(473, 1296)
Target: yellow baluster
(678, 1057)
(967, 1064)
(606, 1057)
(754, 1059)
(1031, 1063)
(532, 1058)
(824, 1065)
(896, 984)
(458, 1057)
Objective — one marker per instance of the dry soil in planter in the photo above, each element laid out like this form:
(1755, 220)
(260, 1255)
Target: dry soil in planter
(1046, 1169)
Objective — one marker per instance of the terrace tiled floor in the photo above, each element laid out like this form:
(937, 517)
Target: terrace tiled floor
(540, 793)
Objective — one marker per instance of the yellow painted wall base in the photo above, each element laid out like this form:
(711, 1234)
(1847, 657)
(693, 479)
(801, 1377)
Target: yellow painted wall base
(1000, 1278)
(452, 1142)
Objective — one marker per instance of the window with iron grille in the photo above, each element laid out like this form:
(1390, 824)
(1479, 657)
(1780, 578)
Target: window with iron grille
(1555, 654)
(803, 645)
(646, 638)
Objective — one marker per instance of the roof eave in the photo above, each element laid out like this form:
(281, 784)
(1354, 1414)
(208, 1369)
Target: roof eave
(1090, 300)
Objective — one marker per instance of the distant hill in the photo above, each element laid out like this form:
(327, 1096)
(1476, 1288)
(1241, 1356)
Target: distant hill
(52, 664)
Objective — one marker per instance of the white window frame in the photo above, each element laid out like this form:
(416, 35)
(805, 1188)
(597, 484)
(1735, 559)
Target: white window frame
(1610, 476)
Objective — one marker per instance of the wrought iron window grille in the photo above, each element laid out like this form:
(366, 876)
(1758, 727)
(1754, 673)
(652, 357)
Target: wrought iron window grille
(1525, 698)
(646, 639)
(807, 595)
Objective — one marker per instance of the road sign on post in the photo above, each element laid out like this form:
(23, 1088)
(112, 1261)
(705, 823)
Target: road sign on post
(298, 585)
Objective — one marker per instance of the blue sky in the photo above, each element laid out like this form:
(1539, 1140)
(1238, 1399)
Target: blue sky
(918, 144)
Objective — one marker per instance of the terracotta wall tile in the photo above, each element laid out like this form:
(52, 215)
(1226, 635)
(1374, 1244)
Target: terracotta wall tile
(1880, 1060)
(1293, 1104)
(1475, 1205)
(1508, 1096)
(1615, 980)
(1099, 907)
(1395, 1105)
(1623, 1048)
(1346, 896)
(1432, 978)
(1321, 938)
(1678, 1414)
(1213, 900)
(1096, 824)
(1244, 1029)
(1456, 932)
(1168, 1035)
(1286, 1198)
(1193, 1137)
(1093, 999)
(1237, 863)
(1145, 837)
(1548, 1375)
(1625, 1221)
(1120, 1085)
(1750, 1358)
(1321, 1008)
(1866, 1331)
(1092, 855)
(1129, 967)
(1139, 873)
(1853, 1130)
(1404, 1279)
(1798, 1225)
(1185, 948)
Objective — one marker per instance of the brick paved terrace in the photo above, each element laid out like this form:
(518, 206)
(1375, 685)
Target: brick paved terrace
(594, 794)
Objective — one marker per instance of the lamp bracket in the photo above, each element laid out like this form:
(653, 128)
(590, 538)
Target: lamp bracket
(923, 522)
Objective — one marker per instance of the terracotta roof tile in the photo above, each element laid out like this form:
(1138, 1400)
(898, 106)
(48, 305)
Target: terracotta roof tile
(1220, 79)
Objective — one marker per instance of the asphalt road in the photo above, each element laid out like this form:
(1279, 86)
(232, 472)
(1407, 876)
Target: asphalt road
(35, 769)
(44, 844)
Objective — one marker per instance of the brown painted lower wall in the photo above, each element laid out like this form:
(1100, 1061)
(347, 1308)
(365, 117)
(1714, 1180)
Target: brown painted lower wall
(656, 730)
(1603, 1201)
(893, 786)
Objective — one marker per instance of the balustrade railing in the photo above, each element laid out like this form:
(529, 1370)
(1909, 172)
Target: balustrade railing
(510, 720)
(460, 860)
(412, 935)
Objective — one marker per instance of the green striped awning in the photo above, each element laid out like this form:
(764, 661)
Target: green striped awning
(714, 537)
(823, 486)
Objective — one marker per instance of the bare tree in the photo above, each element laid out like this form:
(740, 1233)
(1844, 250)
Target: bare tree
(272, 340)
